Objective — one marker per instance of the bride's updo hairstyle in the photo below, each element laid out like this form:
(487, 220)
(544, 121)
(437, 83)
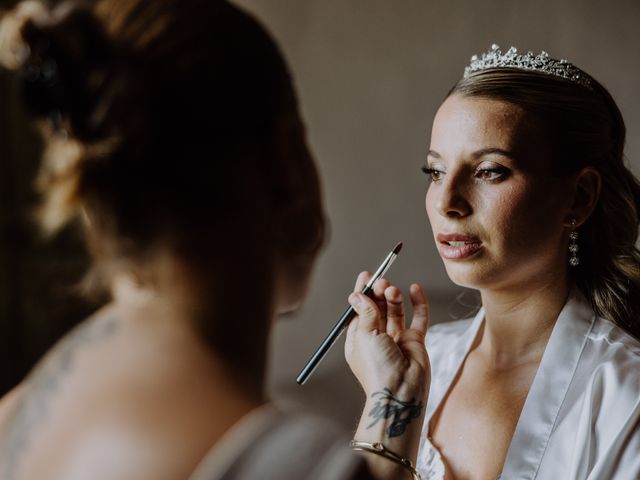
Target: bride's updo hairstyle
(170, 124)
(583, 127)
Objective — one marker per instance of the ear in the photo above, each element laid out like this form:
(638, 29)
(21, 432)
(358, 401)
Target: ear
(586, 192)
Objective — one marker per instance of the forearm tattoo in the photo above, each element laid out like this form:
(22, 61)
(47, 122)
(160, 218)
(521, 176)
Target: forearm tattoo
(41, 385)
(402, 412)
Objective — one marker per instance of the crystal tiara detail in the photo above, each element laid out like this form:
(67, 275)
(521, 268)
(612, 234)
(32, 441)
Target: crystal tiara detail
(541, 63)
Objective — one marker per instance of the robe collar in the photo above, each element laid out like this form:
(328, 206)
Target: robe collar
(548, 390)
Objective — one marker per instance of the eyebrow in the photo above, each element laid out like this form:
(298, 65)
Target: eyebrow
(479, 153)
(493, 151)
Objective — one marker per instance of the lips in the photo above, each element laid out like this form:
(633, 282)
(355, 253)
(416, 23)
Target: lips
(457, 246)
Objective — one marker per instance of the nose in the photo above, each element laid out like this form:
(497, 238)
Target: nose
(451, 198)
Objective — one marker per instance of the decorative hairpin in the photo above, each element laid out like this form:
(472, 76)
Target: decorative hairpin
(541, 63)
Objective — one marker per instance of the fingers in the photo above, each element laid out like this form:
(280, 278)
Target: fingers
(377, 293)
(368, 313)
(384, 311)
(379, 287)
(395, 311)
(361, 281)
(420, 304)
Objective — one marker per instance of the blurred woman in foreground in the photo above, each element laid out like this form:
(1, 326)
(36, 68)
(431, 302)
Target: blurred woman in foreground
(172, 134)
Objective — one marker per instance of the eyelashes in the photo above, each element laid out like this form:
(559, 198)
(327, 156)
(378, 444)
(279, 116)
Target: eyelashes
(433, 174)
(490, 175)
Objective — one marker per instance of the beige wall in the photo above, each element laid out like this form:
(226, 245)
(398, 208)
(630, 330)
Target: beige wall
(371, 75)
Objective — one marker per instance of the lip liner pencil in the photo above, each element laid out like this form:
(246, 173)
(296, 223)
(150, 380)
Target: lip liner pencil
(344, 320)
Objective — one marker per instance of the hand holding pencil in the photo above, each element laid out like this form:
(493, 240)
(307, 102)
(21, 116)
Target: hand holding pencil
(381, 350)
(390, 361)
(345, 318)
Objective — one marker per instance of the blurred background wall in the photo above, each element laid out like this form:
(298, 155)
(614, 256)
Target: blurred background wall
(370, 74)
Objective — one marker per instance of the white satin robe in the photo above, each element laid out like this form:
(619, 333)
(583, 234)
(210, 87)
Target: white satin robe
(581, 418)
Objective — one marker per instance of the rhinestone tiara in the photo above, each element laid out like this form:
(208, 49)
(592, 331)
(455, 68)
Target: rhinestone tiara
(542, 63)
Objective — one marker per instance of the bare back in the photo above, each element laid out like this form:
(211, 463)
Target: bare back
(116, 399)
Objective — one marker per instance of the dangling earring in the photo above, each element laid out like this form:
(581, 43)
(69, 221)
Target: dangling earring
(573, 246)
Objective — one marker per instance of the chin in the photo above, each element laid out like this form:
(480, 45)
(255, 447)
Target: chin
(290, 299)
(292, 286)
(288, 310)
(466, 275)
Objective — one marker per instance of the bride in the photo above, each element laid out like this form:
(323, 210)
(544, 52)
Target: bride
(530, 203)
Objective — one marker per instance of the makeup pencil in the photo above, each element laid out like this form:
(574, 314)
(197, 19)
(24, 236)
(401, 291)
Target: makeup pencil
(344, 320)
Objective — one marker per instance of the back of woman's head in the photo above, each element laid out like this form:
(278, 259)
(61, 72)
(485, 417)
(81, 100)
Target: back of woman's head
(583, 127)
(171, 124)
(165, 120)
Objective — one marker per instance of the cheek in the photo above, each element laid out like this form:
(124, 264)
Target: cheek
(524, 216)
(430, 204)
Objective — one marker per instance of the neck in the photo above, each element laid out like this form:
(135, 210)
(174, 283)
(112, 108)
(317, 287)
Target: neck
(519, 322)
(233, 399)
(166, 317)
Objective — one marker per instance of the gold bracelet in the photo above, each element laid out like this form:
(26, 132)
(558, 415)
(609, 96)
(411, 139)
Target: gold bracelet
(379, 449)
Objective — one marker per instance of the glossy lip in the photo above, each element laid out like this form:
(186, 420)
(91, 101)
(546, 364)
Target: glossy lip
(471, 245)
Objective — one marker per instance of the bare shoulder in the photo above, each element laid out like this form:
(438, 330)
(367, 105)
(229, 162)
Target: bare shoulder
(111, 400)
(29, 410)
(8, 404)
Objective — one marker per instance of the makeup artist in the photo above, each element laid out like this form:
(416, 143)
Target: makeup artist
(530, 202)
(172, 137)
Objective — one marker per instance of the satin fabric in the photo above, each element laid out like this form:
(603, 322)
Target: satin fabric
(268, 444)
(581, 418)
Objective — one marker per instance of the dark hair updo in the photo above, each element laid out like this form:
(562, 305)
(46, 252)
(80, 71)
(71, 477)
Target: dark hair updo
(167, 121)
(173, 123)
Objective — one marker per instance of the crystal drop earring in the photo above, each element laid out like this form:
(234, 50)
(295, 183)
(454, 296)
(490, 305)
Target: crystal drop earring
(573, 246)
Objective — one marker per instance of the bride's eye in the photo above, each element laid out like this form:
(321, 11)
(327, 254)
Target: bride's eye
(433, 173)
(492, 174)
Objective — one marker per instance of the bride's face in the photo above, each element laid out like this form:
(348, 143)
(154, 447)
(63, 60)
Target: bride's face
(496, 206)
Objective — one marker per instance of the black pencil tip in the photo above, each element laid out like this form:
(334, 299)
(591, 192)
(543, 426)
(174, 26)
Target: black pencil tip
(397, 248)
